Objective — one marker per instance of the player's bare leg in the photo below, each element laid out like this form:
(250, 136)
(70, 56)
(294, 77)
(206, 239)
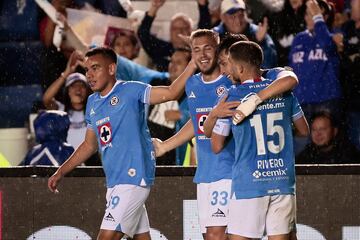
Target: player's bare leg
(142, 236)
(109, 235)
(237, 237)
(216, 233)
(280, 237)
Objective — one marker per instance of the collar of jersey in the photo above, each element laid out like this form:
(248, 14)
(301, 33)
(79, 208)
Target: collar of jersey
(112, 89)
(220, 76)
(252, 80)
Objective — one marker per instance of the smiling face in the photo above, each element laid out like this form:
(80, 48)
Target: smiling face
(100, 73)
(204, 54)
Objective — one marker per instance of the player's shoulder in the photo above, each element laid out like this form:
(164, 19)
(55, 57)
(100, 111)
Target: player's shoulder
(193, 81)
(92, 97)
(128, 87)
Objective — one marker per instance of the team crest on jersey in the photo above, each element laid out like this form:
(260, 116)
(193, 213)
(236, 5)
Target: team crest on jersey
(201, 117)
(220, 90)
(114, 100)
(132, 172)
(105, 133)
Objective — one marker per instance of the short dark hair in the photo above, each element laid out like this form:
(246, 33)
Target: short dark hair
(104, 51)
(205, 33)
(187, 51)
(247, 51)
(229, 39)
(324, 114)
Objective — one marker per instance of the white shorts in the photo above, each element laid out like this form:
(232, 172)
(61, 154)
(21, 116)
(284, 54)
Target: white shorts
(213, 203)
(125, 210)
(268, 215)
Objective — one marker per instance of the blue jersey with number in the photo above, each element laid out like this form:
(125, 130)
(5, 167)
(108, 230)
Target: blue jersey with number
(119, 121)
(201, 98)
(264, 158)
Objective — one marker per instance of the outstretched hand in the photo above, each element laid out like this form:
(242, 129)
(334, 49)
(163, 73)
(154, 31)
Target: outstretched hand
(313, 8)
(155, 5)
(262, 30)
(76, 59)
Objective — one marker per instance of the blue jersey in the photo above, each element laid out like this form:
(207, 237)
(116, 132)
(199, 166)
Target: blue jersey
(119, 121)
(201, 97)
(315, 60)
(264, 158)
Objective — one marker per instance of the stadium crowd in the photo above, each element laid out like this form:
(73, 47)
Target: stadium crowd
(325, 58)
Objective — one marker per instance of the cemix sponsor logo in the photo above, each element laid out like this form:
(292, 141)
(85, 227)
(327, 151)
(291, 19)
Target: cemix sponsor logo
(270, 168)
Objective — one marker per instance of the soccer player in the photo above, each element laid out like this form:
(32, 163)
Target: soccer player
(263, 175)
(214, 170)
(116, 119)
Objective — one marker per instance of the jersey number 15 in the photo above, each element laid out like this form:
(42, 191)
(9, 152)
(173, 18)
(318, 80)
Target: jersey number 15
(271, 128)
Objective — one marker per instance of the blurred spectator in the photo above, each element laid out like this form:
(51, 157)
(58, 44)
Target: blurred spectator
(326, 144)
(284, 25)
(76, 92)
(234, 20)
(167, 118)
(109, 7)
(159, 50)
(126, 44)
(351, 72)
(315, 61)
(209, 13)
(51, 129)
(52, 60)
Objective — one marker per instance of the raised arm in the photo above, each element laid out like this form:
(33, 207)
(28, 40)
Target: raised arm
(86, 149)
(75, 60)
(185, 134)
(286, 81)
(160, 94)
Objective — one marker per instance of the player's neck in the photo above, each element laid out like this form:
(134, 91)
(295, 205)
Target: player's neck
(208, 77)
(108, 87)
(254, 74)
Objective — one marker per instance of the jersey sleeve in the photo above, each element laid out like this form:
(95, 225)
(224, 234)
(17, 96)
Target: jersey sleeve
(141, 91)
(222, 127)
(279, 72)
(297, 112)
(88, 110)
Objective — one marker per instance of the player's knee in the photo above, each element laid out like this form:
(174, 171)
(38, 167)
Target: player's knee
(216, 233)
(109, 235)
